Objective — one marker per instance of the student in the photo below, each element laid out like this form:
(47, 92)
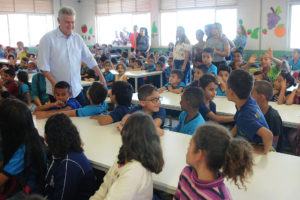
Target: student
(250, 121)
(149, 101)
(190, 118)
(150, 66)
(222, 78)
(70, 175)
(207, 58)
(295, 61)
(131, 61)
(209, 85)
(175, 84)
(121, 96)
(108, 76)
(121, 68)
(238, 60)
(140, 155)
(9, 86)
(155, 79)
(284, 81)
(38, 89)
(32, 68)
(260, 75)
(199, 71)
(170, 66)
(96, 95)
(24, 154)
(212, 156)
(12, 63)
(294, 97)
(24, 88)
(23, 64)
(137, 65)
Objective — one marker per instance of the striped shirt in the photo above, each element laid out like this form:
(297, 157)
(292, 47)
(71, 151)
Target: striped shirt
(190, 187)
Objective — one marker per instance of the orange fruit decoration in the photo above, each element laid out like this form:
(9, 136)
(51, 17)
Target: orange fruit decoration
(280, 30)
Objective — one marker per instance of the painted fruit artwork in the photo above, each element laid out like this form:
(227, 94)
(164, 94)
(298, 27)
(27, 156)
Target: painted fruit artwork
(84, 28)
(273, 17)
(265, 31)
(280, 30)
(254, 34)
(249, 31)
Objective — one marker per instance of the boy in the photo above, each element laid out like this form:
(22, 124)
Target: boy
(199, 71)
(175, 84)
(263, 92)
(32, 68)
(23, 63)
(96, 95)
(9, 86)
(155, 80)
(207, 58)
(170, 66)
(190, 118)
(224, 71)
(121, 95)
(109, 77)
(250, 122)
(295, 61)
(149, 66)
(149, 101)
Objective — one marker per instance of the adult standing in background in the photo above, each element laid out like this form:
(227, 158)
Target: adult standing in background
(20, 48)
(133, 36)
(60, 54)
(198, 48)
(142, 45)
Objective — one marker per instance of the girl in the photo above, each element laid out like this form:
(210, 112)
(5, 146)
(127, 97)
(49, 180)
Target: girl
(108, 76)
(240, 40)
(198, 48)
(24, 157)
(212, 156)
(70, 175)
(24, 88)
(283, 82)
(140, 154)
(170, 49)
(294, 97)
(137, 65)
(121, 68)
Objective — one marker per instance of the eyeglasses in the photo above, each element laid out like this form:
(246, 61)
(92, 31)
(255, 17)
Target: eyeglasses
(154, 100)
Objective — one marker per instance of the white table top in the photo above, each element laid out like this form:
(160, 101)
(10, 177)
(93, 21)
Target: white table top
(290, 114)
(137, 74)
(276, 175)
(6, 61)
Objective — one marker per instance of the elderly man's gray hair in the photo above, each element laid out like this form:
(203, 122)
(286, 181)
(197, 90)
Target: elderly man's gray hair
(66, 11)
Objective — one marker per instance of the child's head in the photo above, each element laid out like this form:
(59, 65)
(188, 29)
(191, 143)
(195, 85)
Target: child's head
(31, 66)
(151, 60)
(107, 65)
(213, 148)
(176, 77)
(23, 77)
(124, 54)
(121, 68)
(122, 93)
(191, 98)
(207, 56)
(149, 97)
(11, 57)
(170, 61)
(239, 84)
(23, 62)
(9, 75)
(62, 136)
(131, 61)
(199, 35)
(62, 91)
(141, 142)
(163, 59)
(97, 93)
(296, 53)
(262, 92)
(200, 70)
(265, 60)
(159, 66)
(285, 76)
(238, 55)
(209, 86)
(259, 76)
(137, 64)
(224, 71)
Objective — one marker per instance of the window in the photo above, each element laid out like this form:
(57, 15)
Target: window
(109, 27)
(195, 19)
(295, 29)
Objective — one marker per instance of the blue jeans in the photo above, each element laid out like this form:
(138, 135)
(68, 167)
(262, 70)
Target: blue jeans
(178, 65)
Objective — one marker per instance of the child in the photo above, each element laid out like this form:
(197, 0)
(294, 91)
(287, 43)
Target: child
(90, 76)
(121, 95)
(295, 61)
(131, 62)
(109, 77)
(24, 154)
(96, 95)
(262, 92)
(38, 89)
(12, 63)
(24, 88)
(70, 175)
(175, 84)
(209, 86)
(238, 60)
(260, 75)
(190, 118)
(250, 122)
(23, 63)
(149, 101)
(199, 71)
(222, 78)
(149, 66)
(32, 68)
(284, 81)
(121, 68)
(294, 97)
(9, 85)
(207, 58)
(170, 67)
(155, 79)
(137, 65)
(212, 156)
(140, 155)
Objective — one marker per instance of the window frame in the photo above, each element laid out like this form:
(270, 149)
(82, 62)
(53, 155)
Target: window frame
(289, 23)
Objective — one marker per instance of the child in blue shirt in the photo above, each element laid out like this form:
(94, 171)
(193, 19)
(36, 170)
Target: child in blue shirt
(70, 175)
(190, 118)
(109, 77)
(121, 96)
(295, 61)
(24, 88)
(223, 74)
(199, 71)
(250, 121)
(38, 89)
(207, 58)
(150, 64)
(149, 101)
(175, 84)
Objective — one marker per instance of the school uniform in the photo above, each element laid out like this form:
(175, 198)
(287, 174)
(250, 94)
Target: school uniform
(220, 92)
(119, 112)
(161, 114)
(150, 69)
(295, 66)
(92, 110)
(212, 69)
(181, 84)
(23, 89)
(204, 110)
(189, 127)
(38, 88)
(109, 78)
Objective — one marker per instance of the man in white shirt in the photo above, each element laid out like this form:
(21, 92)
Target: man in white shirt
(61, 52)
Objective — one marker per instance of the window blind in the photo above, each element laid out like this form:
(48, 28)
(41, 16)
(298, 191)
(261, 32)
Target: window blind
(104, 7)
(27, 6)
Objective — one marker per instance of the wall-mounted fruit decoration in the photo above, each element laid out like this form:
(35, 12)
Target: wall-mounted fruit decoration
(280, 31)
(249, 31)
(265, 31)
(84, 28)
(254, 34)
(273, 17)
(87, 34)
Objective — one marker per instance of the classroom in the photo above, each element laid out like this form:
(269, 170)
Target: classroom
(149, 99)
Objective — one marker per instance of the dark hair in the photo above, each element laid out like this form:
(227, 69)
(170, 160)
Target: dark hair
(194, 96)
(16, 129)
(33, 63)
(241, 82)
(171, 58)
(223, 152)
(141, 143)
(254, 65)
(199, 31)
(239, 50)
(62, 85)
(151, 56)
(98, 93)
(145, 91)
(107, 62)
(288, 77)
(265, 88)
(139, 62)
(202, 67)
(256, 73)
(10, 72)
(180, 40)
(25, 59)
(210, 51)
(224, 67)
(162, 59)
(62, 135)
(206, 79)
(161, 64)
(123, 65)
(103, 58)
(125, 54)
(178, 73)
(114, 60)
(23, 77)
(119, 51)
(10, 56)
(123, 92)
(132, 59)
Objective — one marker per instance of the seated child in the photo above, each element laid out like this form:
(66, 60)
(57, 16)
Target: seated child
(96, 95)
(209, 86)
(38, 89)
(199, 71)
(23, 63)
(32, 68)
(121, 68)
(70, 175)
(190, 118)
(121, 96)
(250, 121)
(140, 155)
(131, 61)
(295, 61)
(294, 97)
(149, 66)
(262, 92)
(137, 65)
(108, 76)
(149, 101)
(212, 156)
(238, 60)
(155, 79)
(284, 81)
(12, 63)
(123, 61)
(222, 78)
(175, 84)
(8, 85)
(24, 88)
(170, 67)
(207, 58)
(90, 76)
(260, 75)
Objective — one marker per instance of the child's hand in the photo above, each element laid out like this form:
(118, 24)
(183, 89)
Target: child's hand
(170, 87)
(219, 79)
(283, 84)
(59, 104)
(160, 90)
(160, 131)
(119, 126)
(94, 117)
(41, 115)
(252, 59)
(270, 52)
